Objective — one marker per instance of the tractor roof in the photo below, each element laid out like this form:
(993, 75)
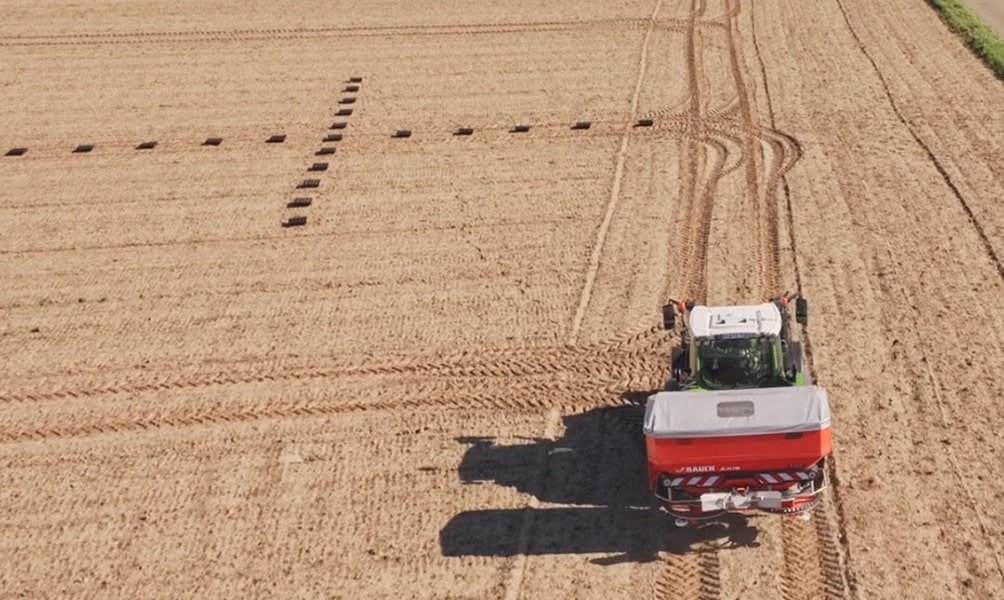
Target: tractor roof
(754, 319)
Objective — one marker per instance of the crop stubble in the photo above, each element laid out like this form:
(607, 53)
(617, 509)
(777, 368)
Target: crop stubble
(267, 388)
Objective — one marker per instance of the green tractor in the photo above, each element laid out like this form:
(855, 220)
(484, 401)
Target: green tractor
(737, 347)
(739, 427)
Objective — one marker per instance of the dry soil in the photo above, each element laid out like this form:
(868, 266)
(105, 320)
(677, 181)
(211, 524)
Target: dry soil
(430, 390)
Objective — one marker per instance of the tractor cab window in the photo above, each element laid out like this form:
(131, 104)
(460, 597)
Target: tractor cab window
(736, 362)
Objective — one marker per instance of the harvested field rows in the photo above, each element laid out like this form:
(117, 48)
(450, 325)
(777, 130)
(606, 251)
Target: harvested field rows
(434, 384)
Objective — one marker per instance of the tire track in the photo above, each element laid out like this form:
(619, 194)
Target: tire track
(697, 574)
(131, 35)
(811, 556)
(801, 577)
(235, 35)
(629, 353)
(812, 560)
(694, 576)
(835, 582)
(677, 114)
(726, 135)
(833, 556)
(724, 110)
(502, 365)
(988, 246)
(514, 585)
(694, 238)
(928, 377)
(628, 341)
(784, 151)
(601, 235)
(812, 564)
(767, 254)
(653, 343)
(160, 244)
(552, 395)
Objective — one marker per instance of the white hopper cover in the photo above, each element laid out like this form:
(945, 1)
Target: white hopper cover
(726, 413)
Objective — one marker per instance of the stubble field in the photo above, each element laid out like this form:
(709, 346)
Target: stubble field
(431, 388)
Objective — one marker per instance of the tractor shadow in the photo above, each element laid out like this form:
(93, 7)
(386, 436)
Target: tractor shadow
(595, 475)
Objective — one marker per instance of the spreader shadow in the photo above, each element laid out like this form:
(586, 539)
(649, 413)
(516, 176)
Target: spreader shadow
(595, 475)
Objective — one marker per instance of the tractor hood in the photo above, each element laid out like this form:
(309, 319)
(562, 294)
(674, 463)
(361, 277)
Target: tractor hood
(727, 413)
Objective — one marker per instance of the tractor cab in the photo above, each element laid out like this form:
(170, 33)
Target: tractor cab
(736, 347)
(736, 361)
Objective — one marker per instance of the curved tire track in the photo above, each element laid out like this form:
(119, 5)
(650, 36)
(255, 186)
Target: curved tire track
(833, 556)
(764, 208)
(696, 575)
(698, 201)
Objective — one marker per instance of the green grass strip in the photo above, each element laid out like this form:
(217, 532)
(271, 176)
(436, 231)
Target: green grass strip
(979, 36)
